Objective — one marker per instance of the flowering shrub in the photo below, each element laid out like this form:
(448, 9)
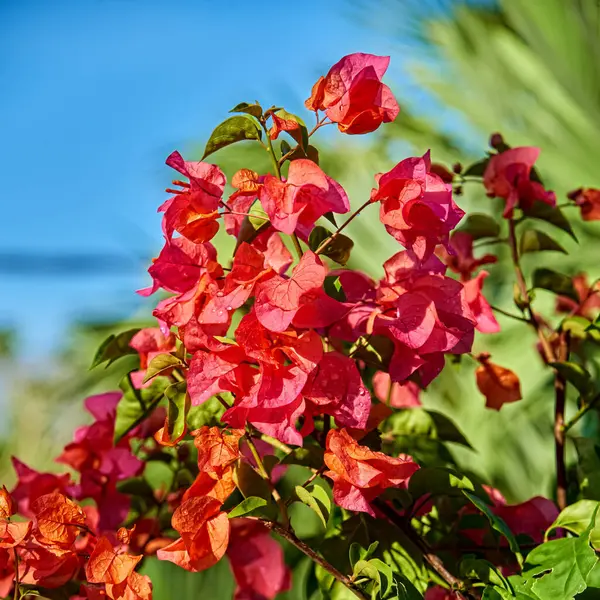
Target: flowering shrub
(280, 356)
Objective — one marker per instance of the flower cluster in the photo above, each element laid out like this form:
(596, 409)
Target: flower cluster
(282, 354)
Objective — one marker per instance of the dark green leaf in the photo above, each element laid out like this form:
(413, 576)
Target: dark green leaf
(550, 214)
(161, 363)
(331, 218)
(496, 522)
(560, 568)
(534, 240)
(136, 486)
(249, 482)
(309, 456)
(375, 350)
(477, 169)
(177, 409)
(230, 131)
(317, 499)
(333, 288)
(438, 481)
(136, 405)
(247, 506)
(482, 570)
(576, 375)
(558, 283)
(208, 413)
(338, 250)
(251, 109)
(479, 226)
(114, 347)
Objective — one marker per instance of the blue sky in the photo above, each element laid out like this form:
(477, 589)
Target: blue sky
(95, 95)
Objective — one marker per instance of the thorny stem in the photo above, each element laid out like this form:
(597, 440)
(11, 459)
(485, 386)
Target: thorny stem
(559, 381)
(343, 226)
(308, 551)
(265, 475)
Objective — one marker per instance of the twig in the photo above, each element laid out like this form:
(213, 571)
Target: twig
(308, 551)
(343, 226)
(560, 386)
(582, 411)
(507, 314)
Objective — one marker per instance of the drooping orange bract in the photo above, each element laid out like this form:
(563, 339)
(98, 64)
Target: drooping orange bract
(108, 565)
(7, 504)
(58, 519)
(498, 384)
(217, 448)
(359, 474)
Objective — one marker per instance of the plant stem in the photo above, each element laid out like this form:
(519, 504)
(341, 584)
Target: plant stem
(265, 475)
(560, 387)
(559, 382)
(434, 561)
(507, 314)
(274, 442)
(297, 246)
(343, 226)
(308, 551)
(582, 411)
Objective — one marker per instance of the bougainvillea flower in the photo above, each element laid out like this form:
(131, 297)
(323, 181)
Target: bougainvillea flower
(353, 95)
(7, 572)
(58, 520)
(589, 299)
(531, 518)
(417, 207)
(218, 484)
(247, 184)
(482, 311)
(307, 194)
(108, 564)
(462, 260)
(278, 299)
(204, 531)
(217, 448)
(32, 484)
(14, 533)
(359, 475)
(508, 176)
(397, 395)
(135, 587)
(149, 343)
(7, 505)
(588, 200)
(498, 384)
(193, 211)
(48, 566)
(282, 124)
(335, 388)
(180, 266)
(257, 562)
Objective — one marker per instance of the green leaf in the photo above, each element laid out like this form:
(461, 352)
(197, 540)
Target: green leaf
(579, 327)
(588, 467)
(249, 482)
(576, 519)
(477, 169)
(251, 109)
(114, 347)
(208, 413)
(230, 131)
(257, 216)
(375, 350)
(427, 423)
(534, 240)
(317, 499)
(479, 225)
(161, 363)
(177, 408)
(247, 506)
(552, 281)
(497, 523)
(438, 481)
(560, 568)
(136, 486)
(333, 288)
(308, 456)
(338, 250)
(357, 552)
(550, 214)
(576, 375)
(482, 570)
(136, 405)
(331, 218)
(522, 588)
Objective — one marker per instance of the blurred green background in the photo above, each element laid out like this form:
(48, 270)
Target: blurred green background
(462, 70)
